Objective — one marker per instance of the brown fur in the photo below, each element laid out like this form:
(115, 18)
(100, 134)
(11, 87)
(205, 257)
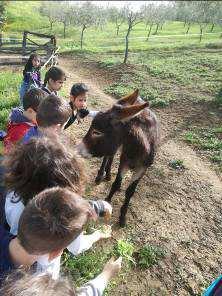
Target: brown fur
(133, 126)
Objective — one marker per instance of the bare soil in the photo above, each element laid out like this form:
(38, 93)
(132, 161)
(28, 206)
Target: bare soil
(181, 211)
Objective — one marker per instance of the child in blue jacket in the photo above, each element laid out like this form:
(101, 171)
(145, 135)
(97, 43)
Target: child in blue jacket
(31, 75)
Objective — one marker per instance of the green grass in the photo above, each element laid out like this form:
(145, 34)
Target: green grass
(103, 39)
(9, 94)
(148, 256)
(86, 266)
(161, 75)
(209, 140)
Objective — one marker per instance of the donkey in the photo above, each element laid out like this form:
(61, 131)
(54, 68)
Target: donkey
(131, 125)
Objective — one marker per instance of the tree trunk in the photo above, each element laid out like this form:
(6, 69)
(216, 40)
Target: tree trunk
(201, 33)
(83, 29)
(157, 28)
(127, 44)
(212, 28)
(51, 23)
(161, 27)
(150, 29)
(117, 30)
(64, 30)
(184, 24)
(188, 28)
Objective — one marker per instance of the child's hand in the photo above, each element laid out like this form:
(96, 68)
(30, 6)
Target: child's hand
(105, 232)
(112, 267)
(83, 113)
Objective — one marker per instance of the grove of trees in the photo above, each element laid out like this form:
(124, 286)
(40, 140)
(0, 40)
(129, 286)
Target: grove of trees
(86, 14)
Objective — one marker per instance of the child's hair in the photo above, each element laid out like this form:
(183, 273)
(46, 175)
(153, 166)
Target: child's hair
(24, 283)
(33, 98)
(28, 66)
(52, 220)
(53, 110)
(55, 74)
(42, 163)
(78, 88)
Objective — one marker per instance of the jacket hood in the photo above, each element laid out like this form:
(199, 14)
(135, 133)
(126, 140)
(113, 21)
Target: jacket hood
(17, 116)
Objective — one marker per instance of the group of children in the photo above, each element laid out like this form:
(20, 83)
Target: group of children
(43, 210)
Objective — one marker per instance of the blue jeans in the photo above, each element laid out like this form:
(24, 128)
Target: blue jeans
(23, 89)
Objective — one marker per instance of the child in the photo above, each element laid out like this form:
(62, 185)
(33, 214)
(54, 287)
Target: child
(12, 255)
(53, 113)
(48, 224)
(20, 121)
(43, 163)
(25, 284)
(31, 75)
(78, 103)
(54, 79)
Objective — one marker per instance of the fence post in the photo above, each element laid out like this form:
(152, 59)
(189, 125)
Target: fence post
(24, 43)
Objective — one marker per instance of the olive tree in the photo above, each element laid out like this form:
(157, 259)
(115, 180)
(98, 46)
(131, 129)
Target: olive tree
(63, 14)
(50, 11)
(116, 16)
(149, 11)
(84, 16)
(132, 18)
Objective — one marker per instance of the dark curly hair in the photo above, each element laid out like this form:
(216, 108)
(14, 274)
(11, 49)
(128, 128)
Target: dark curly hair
(42, 163)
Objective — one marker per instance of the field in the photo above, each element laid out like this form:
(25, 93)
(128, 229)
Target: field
(172, 242)
(104, 39)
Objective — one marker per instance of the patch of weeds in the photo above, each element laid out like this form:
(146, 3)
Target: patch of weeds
(149, 256)
(159, 172)
(177, 164)
(217, 158)
(159, 103)
(191, 138)
(125, 249)
(118, 90)
(4, 113)
(108, 63)
(86, 266)
(209, 139)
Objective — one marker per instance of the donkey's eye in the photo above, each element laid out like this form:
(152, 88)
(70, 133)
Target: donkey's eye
(96, 133)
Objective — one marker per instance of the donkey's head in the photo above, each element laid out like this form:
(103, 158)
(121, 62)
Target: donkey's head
(106, 131)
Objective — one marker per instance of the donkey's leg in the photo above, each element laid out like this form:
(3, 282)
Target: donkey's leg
(123, 168)
(137, 175)
(101, 172)
(108, 168)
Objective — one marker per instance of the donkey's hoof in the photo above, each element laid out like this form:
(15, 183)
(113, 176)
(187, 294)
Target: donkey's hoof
(122, 222)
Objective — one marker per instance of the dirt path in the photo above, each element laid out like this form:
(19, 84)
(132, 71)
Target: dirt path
(181, 211)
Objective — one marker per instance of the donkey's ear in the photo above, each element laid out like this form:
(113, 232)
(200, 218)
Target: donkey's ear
(129, 99)
(120, 112)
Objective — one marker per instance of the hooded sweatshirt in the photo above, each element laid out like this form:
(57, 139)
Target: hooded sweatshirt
(17, 126)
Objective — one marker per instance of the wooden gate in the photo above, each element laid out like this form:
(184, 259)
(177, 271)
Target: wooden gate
(21, 48)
